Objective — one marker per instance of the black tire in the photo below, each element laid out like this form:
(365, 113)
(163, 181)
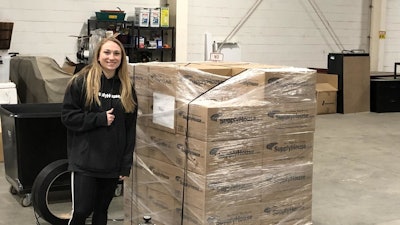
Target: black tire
(41, 187)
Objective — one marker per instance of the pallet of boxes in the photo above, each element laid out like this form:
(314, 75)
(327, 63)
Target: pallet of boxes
(221, 143)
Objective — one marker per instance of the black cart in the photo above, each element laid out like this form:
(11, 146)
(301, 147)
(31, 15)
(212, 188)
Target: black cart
(33, 137)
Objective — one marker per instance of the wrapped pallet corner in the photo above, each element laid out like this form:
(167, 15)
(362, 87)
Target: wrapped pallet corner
(222, 144)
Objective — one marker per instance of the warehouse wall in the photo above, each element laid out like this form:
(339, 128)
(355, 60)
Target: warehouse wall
(44, 27)
(278, 32)
(392, 40)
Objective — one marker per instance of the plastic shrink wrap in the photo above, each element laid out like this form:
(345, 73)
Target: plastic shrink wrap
(221, 143)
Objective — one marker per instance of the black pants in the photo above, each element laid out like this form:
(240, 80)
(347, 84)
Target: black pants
(91, 195)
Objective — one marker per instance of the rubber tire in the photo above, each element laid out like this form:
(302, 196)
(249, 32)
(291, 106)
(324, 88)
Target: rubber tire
(40, 189)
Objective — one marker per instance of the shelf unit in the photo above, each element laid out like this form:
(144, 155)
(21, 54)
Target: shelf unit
(123, 27)
(131, 36)
(154, 52)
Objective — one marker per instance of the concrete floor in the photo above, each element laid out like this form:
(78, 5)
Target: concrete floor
(356, 174)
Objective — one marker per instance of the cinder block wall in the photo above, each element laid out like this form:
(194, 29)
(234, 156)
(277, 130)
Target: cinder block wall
(45, 27)
(281, 32)
(285, 32)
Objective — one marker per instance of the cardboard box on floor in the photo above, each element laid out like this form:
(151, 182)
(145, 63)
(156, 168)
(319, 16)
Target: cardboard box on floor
(326, 90)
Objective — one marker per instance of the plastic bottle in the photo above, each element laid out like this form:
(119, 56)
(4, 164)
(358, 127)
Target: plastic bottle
(215, 47)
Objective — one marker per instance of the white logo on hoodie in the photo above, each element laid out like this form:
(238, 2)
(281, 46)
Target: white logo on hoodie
(108, 95)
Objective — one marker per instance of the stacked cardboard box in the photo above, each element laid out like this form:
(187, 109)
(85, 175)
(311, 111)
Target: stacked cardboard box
(326, 88)
(222, 144)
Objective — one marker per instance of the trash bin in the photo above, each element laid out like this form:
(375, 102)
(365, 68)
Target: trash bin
(33, 137)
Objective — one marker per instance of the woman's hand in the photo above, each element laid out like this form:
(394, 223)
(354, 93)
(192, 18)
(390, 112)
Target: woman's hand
(110, 116)
(122, 177)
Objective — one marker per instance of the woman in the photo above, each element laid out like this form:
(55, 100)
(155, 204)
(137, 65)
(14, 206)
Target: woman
(99, 111)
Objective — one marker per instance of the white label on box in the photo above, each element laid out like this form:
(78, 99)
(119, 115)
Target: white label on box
(164, 110)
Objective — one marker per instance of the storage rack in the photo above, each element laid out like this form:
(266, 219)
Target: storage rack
(124, 27)
(130, 39)
(164, 54)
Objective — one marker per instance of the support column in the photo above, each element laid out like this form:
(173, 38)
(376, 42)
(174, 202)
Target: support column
(181, 28)
(378, 32)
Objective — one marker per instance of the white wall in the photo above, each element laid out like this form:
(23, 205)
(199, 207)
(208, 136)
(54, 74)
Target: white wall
(44, 27)
(280, 31)
(392, 41)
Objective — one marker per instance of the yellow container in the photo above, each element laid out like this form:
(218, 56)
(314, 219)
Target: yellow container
(164, 17)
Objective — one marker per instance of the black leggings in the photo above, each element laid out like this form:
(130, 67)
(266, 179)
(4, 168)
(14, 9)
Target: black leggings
(91, 194)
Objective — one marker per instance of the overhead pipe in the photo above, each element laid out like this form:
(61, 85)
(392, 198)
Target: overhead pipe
(240, 24)
(325, 22)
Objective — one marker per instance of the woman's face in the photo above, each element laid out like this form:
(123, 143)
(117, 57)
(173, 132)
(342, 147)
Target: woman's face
(110, 57)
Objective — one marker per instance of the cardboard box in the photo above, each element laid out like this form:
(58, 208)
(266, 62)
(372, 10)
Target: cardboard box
(140, 78)
(164, 207)
(209, 120)
(163, 146)
(219, 157)
(215, 192)
(326, 89)
(287, 149)
(286, 181)
(205, 158)
(247, 214)
(296, 209)
(163, 79)
(159, 175)
(194, 80)
(144, 112)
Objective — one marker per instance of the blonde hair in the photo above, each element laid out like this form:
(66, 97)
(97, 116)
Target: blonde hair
(92, 75)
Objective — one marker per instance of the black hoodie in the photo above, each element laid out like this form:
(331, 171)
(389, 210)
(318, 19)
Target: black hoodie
(94, 148)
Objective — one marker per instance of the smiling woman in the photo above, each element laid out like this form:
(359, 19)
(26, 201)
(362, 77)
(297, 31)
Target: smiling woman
(110, 58)
(100, 112)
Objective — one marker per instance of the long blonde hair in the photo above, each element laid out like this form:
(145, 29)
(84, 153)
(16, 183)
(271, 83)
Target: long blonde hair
(93, 74)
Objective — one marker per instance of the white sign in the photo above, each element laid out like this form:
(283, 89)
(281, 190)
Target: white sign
(216, 56)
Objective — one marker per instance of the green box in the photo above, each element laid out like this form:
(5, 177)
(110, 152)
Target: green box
(118, 16)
